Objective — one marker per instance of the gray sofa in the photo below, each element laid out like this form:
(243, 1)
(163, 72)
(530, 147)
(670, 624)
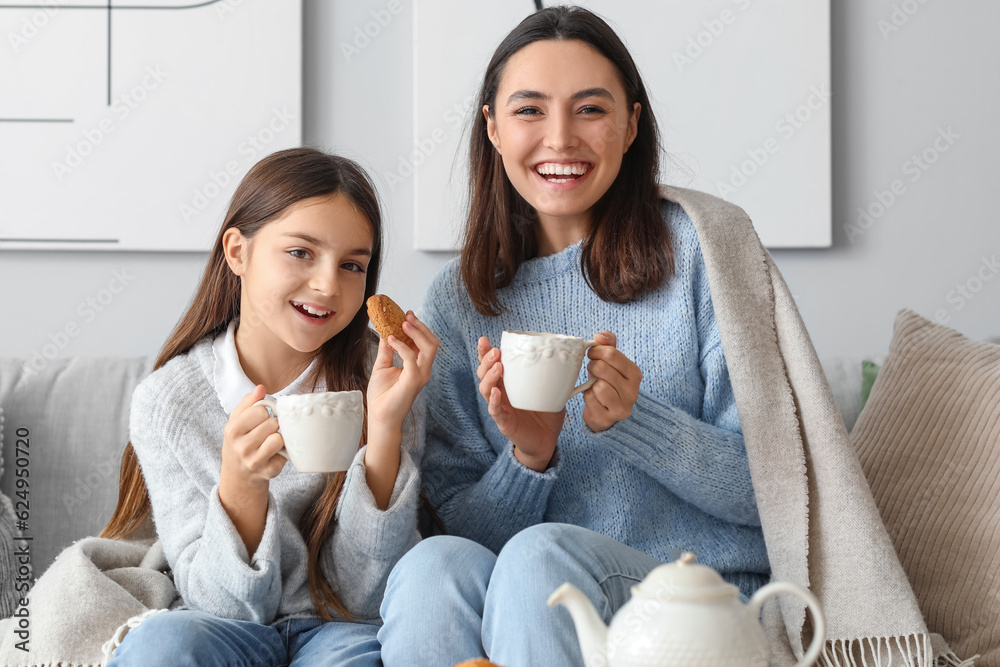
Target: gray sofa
(75, 412)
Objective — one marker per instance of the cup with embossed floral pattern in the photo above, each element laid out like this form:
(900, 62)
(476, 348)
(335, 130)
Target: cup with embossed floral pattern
(322, 431)
(540, 369)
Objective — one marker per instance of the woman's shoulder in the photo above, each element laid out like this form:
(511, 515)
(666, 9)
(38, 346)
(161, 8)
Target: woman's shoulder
(446, 295)
(683, 235)
(447, 282)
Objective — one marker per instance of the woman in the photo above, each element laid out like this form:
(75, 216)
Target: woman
(566, 233)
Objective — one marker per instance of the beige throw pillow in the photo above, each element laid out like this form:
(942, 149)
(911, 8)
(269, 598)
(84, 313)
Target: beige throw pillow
(929, 442)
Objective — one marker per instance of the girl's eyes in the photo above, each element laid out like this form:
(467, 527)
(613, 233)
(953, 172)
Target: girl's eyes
(353, 267)
(527, 111)
(592, 110)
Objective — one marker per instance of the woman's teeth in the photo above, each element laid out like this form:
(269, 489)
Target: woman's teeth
(555, 173)
(314, 312)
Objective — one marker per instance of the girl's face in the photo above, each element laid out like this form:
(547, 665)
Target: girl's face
(562, 124)
(303, 276)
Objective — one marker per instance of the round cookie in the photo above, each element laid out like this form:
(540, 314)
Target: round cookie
(387, 318)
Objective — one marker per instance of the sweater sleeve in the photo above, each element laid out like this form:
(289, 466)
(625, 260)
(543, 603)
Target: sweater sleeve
(702, 459)
(367, 541)
(479, 490)
(211, 567)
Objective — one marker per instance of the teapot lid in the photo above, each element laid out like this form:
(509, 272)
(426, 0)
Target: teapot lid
(685, 580)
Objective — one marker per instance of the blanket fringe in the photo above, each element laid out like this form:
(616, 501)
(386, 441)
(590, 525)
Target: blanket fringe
(952, 660)
(903, 651)
(108, 648)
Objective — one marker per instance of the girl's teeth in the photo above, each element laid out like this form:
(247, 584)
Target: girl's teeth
(311, 310)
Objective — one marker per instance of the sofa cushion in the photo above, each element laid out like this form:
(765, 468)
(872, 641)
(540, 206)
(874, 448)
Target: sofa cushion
(929, 442)
(76, 414)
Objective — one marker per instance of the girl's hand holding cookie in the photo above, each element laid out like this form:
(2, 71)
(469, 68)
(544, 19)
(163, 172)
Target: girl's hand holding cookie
(391, 390)
(534, 434)
(613, 396)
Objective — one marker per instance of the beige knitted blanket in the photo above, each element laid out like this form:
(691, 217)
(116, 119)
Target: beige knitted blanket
(821, 526)
(82, 606)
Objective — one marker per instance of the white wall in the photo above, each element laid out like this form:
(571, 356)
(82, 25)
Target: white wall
(892, 93)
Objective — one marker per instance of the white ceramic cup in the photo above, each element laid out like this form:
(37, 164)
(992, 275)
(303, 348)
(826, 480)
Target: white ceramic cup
(322, 431)
(540, 369)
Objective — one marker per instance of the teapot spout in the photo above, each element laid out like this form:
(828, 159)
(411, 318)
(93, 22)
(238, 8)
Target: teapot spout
(591, 631)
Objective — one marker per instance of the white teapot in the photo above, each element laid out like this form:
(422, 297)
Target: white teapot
(683, 614)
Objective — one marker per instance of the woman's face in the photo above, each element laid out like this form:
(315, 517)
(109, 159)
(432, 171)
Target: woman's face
(561, 124)
(303, 276)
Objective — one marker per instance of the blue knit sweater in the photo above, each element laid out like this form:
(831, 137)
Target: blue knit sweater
(673, 476)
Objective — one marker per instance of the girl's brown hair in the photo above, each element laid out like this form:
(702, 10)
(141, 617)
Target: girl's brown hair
(270, 187)
(628, 251)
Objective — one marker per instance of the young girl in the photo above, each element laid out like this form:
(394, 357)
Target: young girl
(276, 567)
(567, 233)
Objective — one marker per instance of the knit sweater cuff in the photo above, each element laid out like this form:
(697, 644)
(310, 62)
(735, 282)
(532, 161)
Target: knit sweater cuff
(246, 578)
(382, 534)
(515, 489)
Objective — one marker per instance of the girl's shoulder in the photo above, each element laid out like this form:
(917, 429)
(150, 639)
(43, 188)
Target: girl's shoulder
(183, 382)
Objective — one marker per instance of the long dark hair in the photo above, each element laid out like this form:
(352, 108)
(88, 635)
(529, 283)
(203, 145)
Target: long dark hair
(628, 252)
(270, 187)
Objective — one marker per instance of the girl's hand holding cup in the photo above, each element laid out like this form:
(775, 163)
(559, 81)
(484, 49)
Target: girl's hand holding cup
(250, 445)
(250, 460)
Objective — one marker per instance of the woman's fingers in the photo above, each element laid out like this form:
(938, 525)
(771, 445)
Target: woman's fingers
(601, 369)
(595, 414)
(486, 362)
(482, 347)
(613, 396)
(615, 358)
(497, 409)
(491, 379)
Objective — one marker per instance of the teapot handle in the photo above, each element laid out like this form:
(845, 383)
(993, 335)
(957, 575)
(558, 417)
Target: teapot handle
(819, 621)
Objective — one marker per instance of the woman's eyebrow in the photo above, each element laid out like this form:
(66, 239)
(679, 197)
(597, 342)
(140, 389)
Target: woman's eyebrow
(579, 95)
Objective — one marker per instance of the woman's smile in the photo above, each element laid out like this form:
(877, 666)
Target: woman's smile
(562, 124)
(560, 172)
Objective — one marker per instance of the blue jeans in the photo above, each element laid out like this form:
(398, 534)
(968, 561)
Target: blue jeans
(196, 638)
(450, 599)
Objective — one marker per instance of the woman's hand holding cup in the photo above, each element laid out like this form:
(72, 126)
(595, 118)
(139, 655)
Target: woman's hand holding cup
(613, 395)
(534, 434)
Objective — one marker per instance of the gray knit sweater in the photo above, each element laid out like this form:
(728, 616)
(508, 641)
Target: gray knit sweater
(176, 430)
